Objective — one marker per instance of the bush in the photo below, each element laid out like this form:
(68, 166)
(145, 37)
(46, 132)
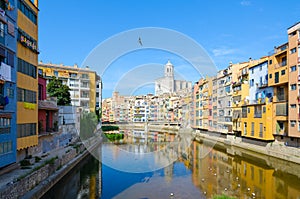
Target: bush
(25, 163)
(37, 159)
(110, 128)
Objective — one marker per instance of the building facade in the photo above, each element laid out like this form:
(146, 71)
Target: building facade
(293, 72)
(27, 81)
(8, 80)
(84, 83)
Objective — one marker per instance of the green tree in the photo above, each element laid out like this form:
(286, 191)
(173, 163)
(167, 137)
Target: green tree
(55, 88)
(88, 123)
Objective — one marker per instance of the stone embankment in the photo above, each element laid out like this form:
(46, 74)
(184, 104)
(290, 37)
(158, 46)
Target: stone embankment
(274, 154)
(37, 181)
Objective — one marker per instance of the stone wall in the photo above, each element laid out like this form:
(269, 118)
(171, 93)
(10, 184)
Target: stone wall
(27, 183)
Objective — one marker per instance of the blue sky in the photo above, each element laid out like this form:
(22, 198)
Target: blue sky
(227, 30)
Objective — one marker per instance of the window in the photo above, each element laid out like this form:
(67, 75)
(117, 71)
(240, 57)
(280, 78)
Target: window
(251, 82)
(270, 76)
(280, 94)
(5, 147)
(10, 60)
(264, 109)
(293, 50)
(293, 87)
(24, 95)
(248, 110)
(55, 73)
(283, 72)
(293, 33)
(5, 124)
(293, 105)
(293, 123)
(245, 128)
(10, 92)
(276, 77)
(270, 62)
(293, 68)
(261, 130)
(26, 68)
(24, 130)
(27, 11)
(2, 32)
(11, 28)
(260, 68)
(283, 61)
(252, 128)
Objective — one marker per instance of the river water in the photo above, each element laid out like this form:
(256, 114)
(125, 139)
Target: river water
(162, 165)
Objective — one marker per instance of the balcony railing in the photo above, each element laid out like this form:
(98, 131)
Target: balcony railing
(277, 50)
(281, 64)
(263, 84)
(282, 109)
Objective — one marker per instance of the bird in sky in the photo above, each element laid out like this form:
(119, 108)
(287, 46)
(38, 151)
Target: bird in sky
(140, 41)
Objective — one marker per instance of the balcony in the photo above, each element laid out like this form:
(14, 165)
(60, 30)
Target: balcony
(263, 84)
(281, 64)
(282, 109)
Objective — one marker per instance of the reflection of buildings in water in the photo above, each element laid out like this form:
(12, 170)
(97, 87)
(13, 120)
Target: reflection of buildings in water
(242, 177)
(168, 172)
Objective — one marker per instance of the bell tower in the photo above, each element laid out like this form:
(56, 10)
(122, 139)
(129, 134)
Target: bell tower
(169, 69)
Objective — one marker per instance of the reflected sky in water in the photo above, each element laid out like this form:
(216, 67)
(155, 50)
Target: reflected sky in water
(198, 172)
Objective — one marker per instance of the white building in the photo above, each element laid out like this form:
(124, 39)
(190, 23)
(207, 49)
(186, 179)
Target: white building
(168, 84)
(141, 110)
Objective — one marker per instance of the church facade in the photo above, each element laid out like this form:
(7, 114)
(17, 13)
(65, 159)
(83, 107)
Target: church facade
(168, 84)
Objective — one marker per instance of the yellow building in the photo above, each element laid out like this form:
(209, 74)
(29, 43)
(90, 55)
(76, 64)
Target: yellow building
(240, 87)
(27, 81)
(85, 84)
(257, 110)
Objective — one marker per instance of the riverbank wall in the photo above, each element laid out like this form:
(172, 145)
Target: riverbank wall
(36, 183)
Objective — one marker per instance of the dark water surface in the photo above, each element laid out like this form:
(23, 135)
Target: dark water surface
(169, 166)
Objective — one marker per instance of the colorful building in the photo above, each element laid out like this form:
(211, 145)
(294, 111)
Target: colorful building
(293, 72)
(48, 111)
(279, 80)
(224, 94)
(257, 111)
(27, 81)
(85, 84)
(202, 104)
(8, 80)
(240, 88)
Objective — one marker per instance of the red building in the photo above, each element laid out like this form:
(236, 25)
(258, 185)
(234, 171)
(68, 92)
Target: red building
(48, 111)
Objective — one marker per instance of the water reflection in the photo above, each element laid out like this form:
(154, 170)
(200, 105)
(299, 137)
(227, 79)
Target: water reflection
(240, 176)
(198, 172)
(141, 152)
(84, 181)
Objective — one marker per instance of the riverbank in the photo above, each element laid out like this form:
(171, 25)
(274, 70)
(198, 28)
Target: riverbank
(33, 183)
(286, 158)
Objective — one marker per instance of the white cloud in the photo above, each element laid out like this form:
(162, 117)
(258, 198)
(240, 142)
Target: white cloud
(245, 3)
(222, 51)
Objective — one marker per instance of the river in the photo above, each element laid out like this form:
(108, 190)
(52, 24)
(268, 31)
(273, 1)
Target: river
(165, 165)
